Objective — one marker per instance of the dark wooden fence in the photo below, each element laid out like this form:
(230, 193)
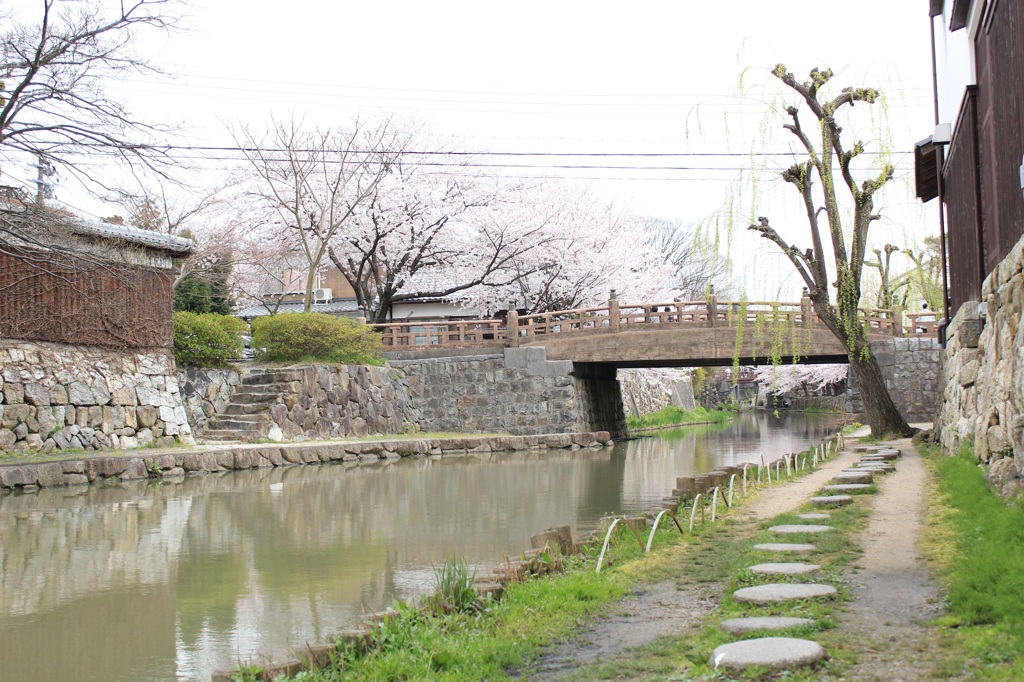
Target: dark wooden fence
(51, 297)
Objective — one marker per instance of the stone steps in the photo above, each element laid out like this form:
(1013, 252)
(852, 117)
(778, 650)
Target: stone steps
(270, 376)
(264, 392)
(222, 435)
(239, 409)
(246, 417)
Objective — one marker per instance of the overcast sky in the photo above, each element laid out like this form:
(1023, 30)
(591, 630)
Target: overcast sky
(662, 77)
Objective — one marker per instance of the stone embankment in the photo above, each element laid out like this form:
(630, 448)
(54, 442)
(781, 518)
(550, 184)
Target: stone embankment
(983, 369)
(211, 459)
(648, 390)
(59, 397)
(296, 403)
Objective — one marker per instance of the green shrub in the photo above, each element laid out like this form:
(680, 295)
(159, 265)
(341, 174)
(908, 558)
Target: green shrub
(207, 339)
(294, 337)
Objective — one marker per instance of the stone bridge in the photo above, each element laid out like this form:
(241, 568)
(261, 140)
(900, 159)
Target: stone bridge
(673, 334)
(590, 344)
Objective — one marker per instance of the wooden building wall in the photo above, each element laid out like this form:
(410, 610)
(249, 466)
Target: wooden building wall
(980, 176)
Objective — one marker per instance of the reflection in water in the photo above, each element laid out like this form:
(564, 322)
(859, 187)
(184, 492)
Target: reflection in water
(163, 581)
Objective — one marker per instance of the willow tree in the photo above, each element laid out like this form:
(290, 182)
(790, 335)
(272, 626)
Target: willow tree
(827, 158)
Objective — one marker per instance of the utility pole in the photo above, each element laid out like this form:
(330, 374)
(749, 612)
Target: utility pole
(44, 170)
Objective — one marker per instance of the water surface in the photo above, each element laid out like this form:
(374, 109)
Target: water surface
(148, 581)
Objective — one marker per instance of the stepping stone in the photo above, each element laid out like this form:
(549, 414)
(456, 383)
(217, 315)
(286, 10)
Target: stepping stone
(831, 500)
(740, 626)
(773, 593)
(774, 653)
(853, 477)
(879, 458)
(799, 528)
(785, 547)
(795, 568)
(876, 468)
(845, 488)
(813, 517)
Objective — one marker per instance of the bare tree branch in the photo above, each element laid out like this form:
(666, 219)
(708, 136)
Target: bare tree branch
(52, 85)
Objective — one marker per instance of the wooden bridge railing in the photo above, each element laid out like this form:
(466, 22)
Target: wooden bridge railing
(616, 317)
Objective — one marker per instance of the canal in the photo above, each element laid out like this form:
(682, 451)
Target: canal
(171, 581)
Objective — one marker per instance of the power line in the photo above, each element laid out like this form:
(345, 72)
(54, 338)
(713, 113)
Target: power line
(413, 152)
(730, 101)
(927, 89)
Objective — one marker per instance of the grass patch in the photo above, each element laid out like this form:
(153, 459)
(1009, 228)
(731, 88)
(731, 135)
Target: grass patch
(975, 543)
(675, 416)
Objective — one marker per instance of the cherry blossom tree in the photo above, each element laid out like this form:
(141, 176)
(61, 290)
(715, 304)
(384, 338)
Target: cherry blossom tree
(308, 183)
(697, 266)
(459, 228)
(586, 248)
(782, 379)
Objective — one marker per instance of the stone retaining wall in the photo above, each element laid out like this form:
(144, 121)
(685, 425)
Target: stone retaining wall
(169, 465)
(205, 393)
(911, 369)
(983, 372)
(57, 397)
(518, 392)
(338, 401)
(304, 402)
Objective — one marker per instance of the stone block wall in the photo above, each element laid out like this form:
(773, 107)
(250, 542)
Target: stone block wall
(205, 393)
(484, 393)
(337, 401)
(308, 402)
(58, 397)
(911, 368)
(911, 372)
(983, 376)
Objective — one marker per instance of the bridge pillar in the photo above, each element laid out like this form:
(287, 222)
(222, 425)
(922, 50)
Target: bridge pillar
(614, 317)
(599, 399)
(712, 310)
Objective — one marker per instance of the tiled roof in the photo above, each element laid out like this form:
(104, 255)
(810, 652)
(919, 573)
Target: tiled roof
(148, 238)
(337, 307)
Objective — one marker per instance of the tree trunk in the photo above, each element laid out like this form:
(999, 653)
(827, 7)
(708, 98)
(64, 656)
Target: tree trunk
(880, 411)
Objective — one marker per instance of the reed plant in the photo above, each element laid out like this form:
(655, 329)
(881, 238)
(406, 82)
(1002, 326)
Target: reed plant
(453, 583)
(675, 416)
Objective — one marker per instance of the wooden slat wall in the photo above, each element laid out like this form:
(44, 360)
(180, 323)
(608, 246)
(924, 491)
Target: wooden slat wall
(961, 186)
(75, 302)
(980, 175)
(999, 51)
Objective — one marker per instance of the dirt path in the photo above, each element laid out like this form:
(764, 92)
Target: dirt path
(893, 594)
(790, 495)
(672, 607)
(655, 611)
